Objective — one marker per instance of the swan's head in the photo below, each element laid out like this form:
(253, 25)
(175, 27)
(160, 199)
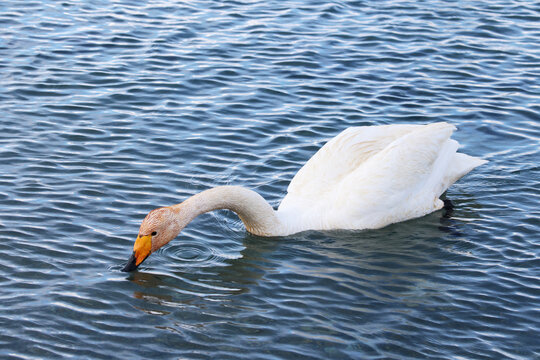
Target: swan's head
(157, 229)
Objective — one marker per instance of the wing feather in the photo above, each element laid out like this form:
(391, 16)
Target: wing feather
(342, 155)
(400, 182)
(369, 177)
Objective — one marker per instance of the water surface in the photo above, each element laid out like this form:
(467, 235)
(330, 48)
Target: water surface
(110, 109)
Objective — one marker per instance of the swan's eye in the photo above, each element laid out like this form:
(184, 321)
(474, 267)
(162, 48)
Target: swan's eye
(154, 233)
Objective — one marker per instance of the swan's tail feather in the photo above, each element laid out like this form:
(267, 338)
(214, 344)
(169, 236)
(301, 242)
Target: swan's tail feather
(462, 164)
(450, 167)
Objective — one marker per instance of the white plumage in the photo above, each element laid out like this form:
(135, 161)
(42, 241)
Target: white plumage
(371, 176)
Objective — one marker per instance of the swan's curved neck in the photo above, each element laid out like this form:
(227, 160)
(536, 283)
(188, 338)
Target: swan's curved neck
(257, 215)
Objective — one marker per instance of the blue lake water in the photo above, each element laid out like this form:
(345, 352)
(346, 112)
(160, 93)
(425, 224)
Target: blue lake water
(109, 109)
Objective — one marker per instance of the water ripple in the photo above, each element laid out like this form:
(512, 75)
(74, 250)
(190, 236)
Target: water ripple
(112, 109)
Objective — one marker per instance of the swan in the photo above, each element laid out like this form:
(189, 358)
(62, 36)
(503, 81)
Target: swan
(366, 177)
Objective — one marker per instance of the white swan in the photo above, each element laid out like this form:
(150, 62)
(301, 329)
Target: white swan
(365, 178)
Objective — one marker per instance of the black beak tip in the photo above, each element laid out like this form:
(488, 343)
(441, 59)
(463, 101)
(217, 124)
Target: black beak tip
(130, 266)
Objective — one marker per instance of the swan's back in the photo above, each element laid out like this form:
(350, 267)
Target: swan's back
(372, 176)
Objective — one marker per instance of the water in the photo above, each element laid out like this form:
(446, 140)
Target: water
(110, 109)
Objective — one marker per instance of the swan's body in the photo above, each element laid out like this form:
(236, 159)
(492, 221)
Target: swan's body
(364, 178)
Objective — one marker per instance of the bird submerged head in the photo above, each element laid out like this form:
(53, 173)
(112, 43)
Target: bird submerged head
(157, 229)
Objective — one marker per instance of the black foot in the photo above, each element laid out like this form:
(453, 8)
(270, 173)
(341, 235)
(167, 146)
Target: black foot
(448, 204)
(448, 208)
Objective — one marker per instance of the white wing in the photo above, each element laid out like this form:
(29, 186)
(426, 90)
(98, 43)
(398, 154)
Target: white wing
(401, 182)
(369, 177)
(342, 155)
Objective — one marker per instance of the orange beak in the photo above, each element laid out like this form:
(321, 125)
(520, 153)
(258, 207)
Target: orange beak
(141, 250)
